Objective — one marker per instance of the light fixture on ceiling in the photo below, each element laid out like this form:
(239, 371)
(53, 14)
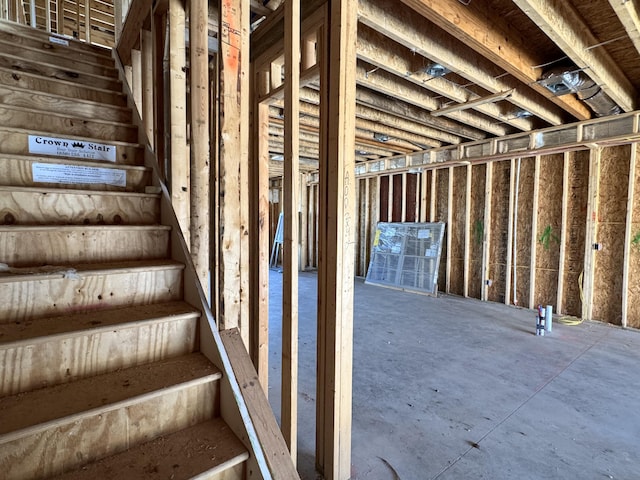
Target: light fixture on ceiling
(436, 70)
(380, 137)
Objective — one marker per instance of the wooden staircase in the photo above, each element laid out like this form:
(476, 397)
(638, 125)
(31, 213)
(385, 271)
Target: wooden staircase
(101, 373)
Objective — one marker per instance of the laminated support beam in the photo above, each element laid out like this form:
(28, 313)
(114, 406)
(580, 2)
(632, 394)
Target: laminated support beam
(289, 394)
(628, 238)
(337, 250)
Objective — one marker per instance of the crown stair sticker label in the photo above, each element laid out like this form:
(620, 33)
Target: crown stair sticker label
(64, 147)
(75, 174)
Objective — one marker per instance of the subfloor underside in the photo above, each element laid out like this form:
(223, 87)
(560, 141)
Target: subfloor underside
(452, 388)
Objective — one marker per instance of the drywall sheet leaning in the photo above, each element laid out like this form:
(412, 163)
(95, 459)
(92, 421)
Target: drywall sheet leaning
(406, 256)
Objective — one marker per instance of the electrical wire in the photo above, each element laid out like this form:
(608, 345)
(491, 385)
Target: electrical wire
(573, 321)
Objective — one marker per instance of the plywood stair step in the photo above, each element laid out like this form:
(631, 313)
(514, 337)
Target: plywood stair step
(57, 46)
(65, 88)
(55, 350)
(33, 100)
(74, 45)
(58, 206)
(35, 245)
(208, 450)
(65, 426)
(53, 70)
(57, 124)
(57, 290)
(17, 170)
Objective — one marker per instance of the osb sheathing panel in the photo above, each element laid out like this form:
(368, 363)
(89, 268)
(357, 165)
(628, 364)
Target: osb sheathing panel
(384, 199)
(522, 257)
(549, 226)
(478, 178)
(499, 230)
(576, 229)
(442, 192)
(612, 211)
(457, 230)
(633, 311)
(411, 197)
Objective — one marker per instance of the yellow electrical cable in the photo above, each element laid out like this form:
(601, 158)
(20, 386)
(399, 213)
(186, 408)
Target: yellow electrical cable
(572, 321)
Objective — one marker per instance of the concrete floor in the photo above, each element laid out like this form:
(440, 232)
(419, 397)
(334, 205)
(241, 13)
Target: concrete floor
(452, 388)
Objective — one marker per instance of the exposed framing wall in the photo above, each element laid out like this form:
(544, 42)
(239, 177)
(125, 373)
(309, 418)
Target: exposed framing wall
(537, 226)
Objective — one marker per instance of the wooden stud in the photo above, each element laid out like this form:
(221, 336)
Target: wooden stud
(629, 234)
(302, 215)
(563, 231)
(335, 280)
(146, 41)
(467, 231)
(178, 160)
(434, 186)
(117, 18)
(593, 202)
(136, 79)
(390, 199)
(510, 230)
(47, 15)
(367, 230)
(449, 232)
(199, 173)
(87, 20)
(291, 179)
(158, 33)
(233, 162)
(534, 232)
(486, 244)
(404, 193)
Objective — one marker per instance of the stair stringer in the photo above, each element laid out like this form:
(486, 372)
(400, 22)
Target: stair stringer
(233, 408)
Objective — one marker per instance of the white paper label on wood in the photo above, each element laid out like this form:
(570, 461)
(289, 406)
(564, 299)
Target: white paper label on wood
(74, 174)
(64, 147)
(59, 41)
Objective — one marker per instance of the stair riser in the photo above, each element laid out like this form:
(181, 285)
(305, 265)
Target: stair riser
(19, 172)
(51, 70)
(17, 143)
(58, 87)
(60, 126)
(67, 62)
(237, 472)
(71, 107)
(28, 365)
(26, 31)
(41, 297)
(64, 246)
(69, 443)
(48, 48)
(27, 208)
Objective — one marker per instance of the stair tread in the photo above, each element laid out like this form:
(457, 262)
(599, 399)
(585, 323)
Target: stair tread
(206, 447)
(61, 271)
(40, 330)
(24, 412)
(66, 136)
(18, 76)
(67, 116)
(44, 190)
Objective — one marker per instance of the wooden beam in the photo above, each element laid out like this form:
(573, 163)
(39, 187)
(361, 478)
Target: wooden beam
(403, 26)
(628, 13)
(385, 54)
(534, 232)
(476, 25)
(563, 231)
(199, 176)
(467, 231)
(291, 179)
(233, 181)
(179, 159)
(486, 244)
(628, 234)
(336, 273)
(593, 203)
(564, 25)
